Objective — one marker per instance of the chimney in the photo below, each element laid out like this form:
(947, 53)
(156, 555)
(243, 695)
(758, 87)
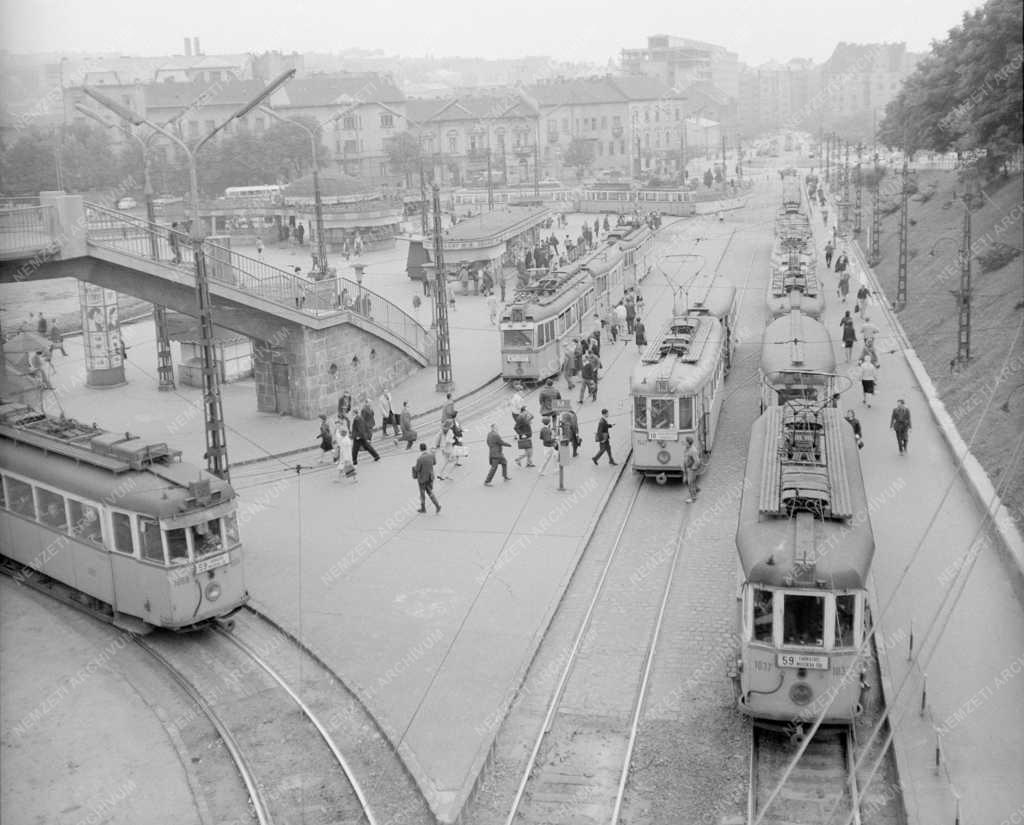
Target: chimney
(195, 47)
(188, 47)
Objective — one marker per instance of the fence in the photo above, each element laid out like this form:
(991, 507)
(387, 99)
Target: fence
(25, 228)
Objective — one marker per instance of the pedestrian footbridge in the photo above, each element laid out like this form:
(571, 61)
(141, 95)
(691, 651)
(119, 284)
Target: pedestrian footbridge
(312, 339)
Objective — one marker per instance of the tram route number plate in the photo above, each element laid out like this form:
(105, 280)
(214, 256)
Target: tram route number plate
(213, 563)
(517, 359)
(802, 660)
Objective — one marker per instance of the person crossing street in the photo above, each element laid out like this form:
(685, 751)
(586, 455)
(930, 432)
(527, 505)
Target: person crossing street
(603, 437)
(423, 472)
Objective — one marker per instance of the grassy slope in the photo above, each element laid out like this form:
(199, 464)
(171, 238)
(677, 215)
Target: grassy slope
(930, 318)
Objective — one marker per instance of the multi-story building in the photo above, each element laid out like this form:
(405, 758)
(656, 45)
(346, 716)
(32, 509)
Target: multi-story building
(860, 79)
(680, 62)
(628, 122)
(465, 138)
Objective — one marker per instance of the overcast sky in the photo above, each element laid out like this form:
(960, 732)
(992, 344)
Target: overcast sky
(758, 30)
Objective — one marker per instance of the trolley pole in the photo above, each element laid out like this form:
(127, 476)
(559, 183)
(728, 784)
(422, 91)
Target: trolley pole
(901, 273)
(445, 382)
(963, 343)
(875, 253)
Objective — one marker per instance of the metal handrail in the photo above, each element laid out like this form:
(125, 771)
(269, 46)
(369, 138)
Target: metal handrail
(135, 237)
(25, 227)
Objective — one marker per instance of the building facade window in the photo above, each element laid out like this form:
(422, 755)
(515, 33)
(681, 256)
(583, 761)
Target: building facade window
(565, 125)
(349, 123)
(611, 147)
(453, 142)
(387, 120)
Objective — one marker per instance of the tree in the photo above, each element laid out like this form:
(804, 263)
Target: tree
(87, 161)
(404, 155)
(580, 154)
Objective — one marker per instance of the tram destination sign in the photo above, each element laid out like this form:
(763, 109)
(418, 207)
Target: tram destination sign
(212, 563)
(802, 660)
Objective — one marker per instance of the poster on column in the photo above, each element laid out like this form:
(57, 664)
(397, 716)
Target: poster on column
(100, 326)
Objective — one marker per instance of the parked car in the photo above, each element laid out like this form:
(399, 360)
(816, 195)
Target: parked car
(127, 203)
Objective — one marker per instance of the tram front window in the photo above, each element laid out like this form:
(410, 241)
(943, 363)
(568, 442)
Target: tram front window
(764, 601)
(177, 545)
(206, 537)
(516, 338)
(663, 413)
(804, 620)
(846, 607)
(150, 540)
(231, 529)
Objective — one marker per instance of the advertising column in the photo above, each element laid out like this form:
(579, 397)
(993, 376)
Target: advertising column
(101, 335)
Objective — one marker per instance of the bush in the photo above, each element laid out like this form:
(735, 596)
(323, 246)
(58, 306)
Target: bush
(997, 257)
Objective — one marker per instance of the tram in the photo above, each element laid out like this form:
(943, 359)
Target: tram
(795, 287)
(805, 546)
(797, 361)
(132, 532)
(539, 323)
(677, 391)
(637, 245)
(718, 300)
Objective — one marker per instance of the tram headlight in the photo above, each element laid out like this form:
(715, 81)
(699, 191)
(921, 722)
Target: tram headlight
(801, 693)
(664, 456)
(213, 591)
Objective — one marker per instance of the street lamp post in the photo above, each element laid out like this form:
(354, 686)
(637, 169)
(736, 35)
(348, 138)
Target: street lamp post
(216, 434)
(320, 265)
(164, 364)
(445, 380)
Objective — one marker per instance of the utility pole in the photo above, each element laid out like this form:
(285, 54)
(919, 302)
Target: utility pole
(857, 202)
(445, 382)
(846, 187)
(963, 341)
(901, 274)
(725, 169)
(875, 253)
(828, 161)
(490, 183)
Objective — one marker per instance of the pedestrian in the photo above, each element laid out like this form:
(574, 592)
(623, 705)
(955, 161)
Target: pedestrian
(446, 444)
(868, 352)
(366, 413)
(691, 468)
(849, 335)
(867, 381)
(547, 397)
(174, 239)
(37, 362)
(496, 455)
(361, 435)
(448, 410)
(423, 472)
(588, 374)
(621, 317)
(868, 331)
(862, 299)
(852, 420)
(548, 442)
(603, 437)
(571, 431)
(388, 418)
(501, 286)
(326, 439)
(56, 339)
(524, 436)
(829, 250)
(408, 433)
(259, 248)
(640, 331)
(843, 288)
(41, 326)
(900, 422)
(568, 369)
(343, 452)
(297, 286)
(631, 318)
(300, 232)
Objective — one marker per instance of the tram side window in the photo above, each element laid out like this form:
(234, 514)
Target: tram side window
(804, 620)
(640, 412)
(122, 533)
(177, 545)
(517, 338)
(3, 494)
(764, 601)
(51, 509)
(846, 607)
(686, 413)
(663, 413)
(20, 495)
(231, 529)
(150, 541)
(85, 521)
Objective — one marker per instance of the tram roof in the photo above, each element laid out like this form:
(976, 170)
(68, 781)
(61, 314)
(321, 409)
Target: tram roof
(717, 300)
(796, 342)
(800, 457)
(93, 464)
(680, 357)
(782, 304)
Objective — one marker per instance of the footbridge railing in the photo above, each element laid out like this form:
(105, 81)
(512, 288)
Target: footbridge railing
(25, 226)
(328, 298)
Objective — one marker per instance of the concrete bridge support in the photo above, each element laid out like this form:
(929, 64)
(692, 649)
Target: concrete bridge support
(302, 372)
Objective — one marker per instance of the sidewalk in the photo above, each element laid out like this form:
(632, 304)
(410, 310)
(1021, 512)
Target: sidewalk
(951, 592)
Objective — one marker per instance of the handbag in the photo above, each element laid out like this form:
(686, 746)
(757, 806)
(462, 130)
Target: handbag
(525, 443)
(410, 436)
(415, 475)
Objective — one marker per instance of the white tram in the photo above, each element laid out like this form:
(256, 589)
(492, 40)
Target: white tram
(805, 546)
(795, 287)
(718, 300)
(132, 532)
(798, 361)
(677, 390)
(539, 323)
(637, 245)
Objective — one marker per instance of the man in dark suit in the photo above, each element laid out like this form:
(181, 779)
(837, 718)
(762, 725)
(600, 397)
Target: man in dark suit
(361, 434)
(423, 471)
(495, 454)
(604, 432)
